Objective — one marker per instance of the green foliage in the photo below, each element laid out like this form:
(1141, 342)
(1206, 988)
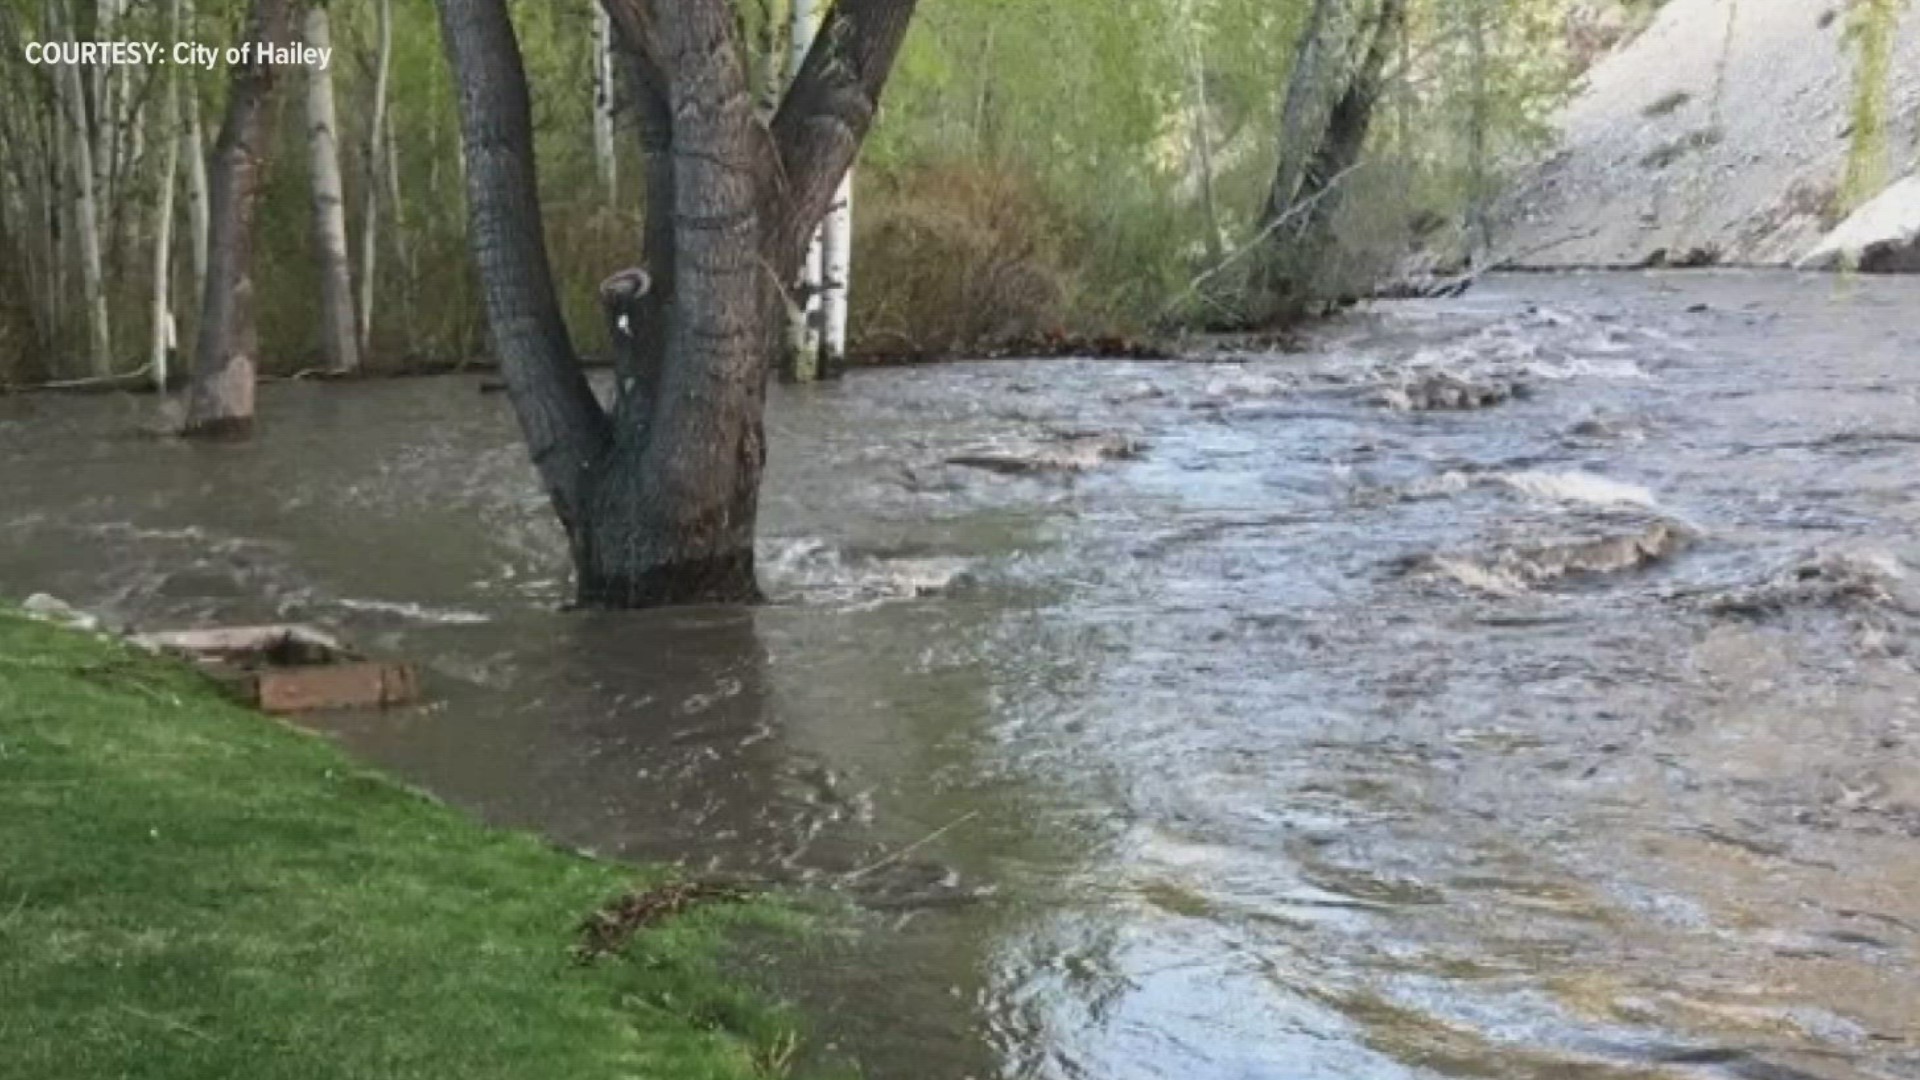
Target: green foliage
(1870, 30)
(1089, 108)
(191, 890)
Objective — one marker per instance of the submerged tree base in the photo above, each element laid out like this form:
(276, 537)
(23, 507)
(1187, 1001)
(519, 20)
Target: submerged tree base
(232, 428)
(727, 579)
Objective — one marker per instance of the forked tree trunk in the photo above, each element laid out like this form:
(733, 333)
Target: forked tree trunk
(1352, 118)
(1321, 146)
(1314, 80)
(221, 399)
(660, 497)
(339, 340)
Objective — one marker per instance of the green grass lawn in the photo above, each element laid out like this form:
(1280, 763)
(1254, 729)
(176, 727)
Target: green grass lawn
(191, 890)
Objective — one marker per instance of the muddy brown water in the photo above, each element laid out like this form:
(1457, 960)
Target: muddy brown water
(1298, 746)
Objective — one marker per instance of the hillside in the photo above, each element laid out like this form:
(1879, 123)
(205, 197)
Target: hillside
(1690, 137)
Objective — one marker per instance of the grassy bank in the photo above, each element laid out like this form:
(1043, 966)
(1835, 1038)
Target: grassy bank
(188, 889)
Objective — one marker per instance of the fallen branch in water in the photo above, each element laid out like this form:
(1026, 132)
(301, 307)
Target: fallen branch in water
(1460, 283)
(1293, 212)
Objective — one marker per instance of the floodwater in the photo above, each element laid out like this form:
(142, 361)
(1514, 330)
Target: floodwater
(1573, 736)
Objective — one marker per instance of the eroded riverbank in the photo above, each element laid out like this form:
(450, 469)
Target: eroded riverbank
(1341, 730)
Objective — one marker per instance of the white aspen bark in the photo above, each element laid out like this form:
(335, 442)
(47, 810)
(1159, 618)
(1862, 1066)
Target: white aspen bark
(803, 313)
(194, 149)
(603, 151)
(87, 216)
(339, 345)
(162, 342)
(836, 275)
(375, 159)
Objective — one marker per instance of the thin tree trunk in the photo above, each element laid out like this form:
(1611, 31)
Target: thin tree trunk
(1203, 149)
(985, 140)
(402, 247)
(339, 341)
(604, 158)
(1405, 100)
(194, 150)
(60, 132)
(675, 506)
(87, 219)
(1479, 226)
(804, 308)
(375, 161)
(160, 347)
(221, 399)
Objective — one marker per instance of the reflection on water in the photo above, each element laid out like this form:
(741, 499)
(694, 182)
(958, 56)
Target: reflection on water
(1202, 764)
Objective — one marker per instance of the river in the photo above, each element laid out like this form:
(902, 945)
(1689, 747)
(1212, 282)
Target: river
(1573, 736)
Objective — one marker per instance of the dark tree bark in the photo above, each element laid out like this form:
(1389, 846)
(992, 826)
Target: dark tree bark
(640, 342)
(220, 401)
(566, 431)
(660, 496)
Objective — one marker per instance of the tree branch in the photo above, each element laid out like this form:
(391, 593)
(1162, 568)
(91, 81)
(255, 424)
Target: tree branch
(634, 24)
(826, 114)
(566, 430)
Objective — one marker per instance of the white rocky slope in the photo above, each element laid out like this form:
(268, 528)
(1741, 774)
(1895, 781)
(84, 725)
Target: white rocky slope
(1649, 163)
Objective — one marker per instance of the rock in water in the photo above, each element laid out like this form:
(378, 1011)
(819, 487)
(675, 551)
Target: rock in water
(1073, 453)
(1882, 237)
(1836, 579)
(1511, 570)
(55, 610)
(1445, 391)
